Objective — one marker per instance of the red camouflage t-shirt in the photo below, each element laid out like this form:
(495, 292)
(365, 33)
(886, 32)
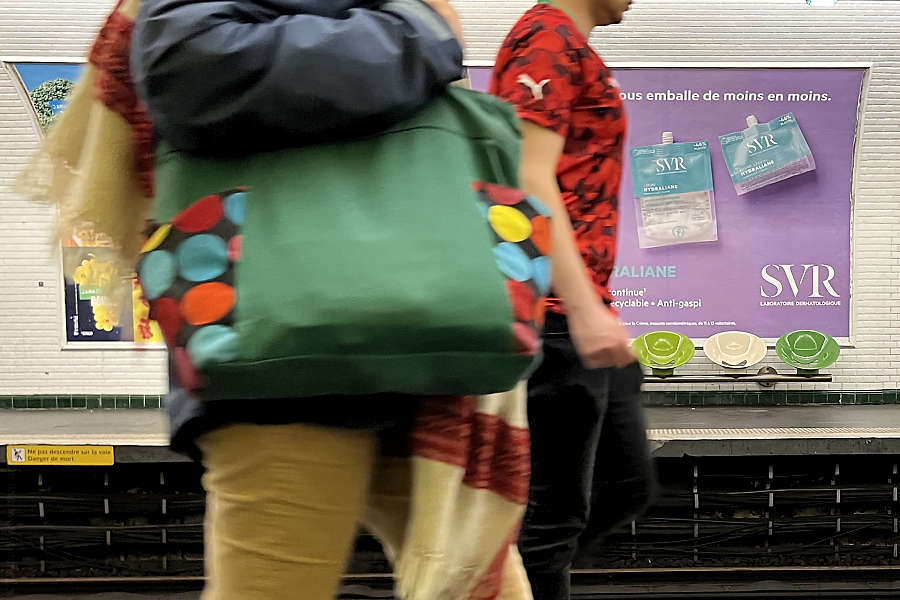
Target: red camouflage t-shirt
(549, 72)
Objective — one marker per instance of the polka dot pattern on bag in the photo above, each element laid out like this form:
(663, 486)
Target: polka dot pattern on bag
(520, 227)
(187, 274)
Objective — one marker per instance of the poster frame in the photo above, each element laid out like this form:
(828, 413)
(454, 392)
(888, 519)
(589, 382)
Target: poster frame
(8, 65)
(865, 66)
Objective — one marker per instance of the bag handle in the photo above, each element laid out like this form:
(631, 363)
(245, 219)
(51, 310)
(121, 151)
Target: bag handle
(492, 150)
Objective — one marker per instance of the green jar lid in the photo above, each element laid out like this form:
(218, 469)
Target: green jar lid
(663, 351)
(807, 350)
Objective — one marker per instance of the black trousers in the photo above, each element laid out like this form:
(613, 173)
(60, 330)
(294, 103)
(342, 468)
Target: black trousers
(591, 466)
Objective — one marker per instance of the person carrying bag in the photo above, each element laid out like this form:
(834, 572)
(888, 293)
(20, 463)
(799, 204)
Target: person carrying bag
(345, 275)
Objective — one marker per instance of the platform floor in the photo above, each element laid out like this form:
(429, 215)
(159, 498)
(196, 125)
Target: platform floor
(779, 430)
(673, 431)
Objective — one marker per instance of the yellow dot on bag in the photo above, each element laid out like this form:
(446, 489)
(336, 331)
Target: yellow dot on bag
(157, 238)
(509, 223)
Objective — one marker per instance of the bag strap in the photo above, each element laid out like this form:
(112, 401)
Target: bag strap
(492, 150)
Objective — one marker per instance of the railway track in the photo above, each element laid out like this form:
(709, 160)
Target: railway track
(775, 583)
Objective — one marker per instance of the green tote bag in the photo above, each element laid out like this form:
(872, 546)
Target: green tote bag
(402, 262)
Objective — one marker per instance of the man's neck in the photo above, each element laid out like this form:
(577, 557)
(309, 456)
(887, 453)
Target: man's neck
(578, 11)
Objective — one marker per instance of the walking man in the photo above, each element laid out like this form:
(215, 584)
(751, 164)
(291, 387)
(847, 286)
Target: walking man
(591, 469)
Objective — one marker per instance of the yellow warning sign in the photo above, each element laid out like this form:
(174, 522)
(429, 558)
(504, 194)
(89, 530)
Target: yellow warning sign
(65, 456)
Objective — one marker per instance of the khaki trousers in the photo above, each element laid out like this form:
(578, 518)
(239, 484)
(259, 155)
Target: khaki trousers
(284, 503)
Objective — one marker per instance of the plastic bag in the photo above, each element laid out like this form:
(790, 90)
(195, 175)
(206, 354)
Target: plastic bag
(673, 191)
(766, 153)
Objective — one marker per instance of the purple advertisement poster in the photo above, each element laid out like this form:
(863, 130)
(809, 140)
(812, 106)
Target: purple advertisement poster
(782, 258)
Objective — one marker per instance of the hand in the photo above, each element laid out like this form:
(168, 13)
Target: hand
(449, 14)
(599, 338)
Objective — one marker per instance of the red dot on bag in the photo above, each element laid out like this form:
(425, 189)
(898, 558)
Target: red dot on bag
(234, 248)
(207, 302)
(185, 372)
(540, 235)
(501, 194)
(522, 299)
(167, 313)
(200, 216)
(526, 339)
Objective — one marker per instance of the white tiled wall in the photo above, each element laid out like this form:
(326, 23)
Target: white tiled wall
(31, 359)
(31, 312)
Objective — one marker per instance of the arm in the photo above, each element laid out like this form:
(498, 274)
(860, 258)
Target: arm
(598, 336)
(541, 56)
(227, 77)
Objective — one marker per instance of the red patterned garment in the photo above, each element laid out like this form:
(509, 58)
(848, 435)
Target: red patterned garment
(548, 71)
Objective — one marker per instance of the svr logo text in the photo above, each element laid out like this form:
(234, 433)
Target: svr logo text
(776, 276)
(670, 165)
(763, 142)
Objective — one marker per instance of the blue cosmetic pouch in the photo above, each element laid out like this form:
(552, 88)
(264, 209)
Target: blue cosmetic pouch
(766, 153)
(673, 193)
